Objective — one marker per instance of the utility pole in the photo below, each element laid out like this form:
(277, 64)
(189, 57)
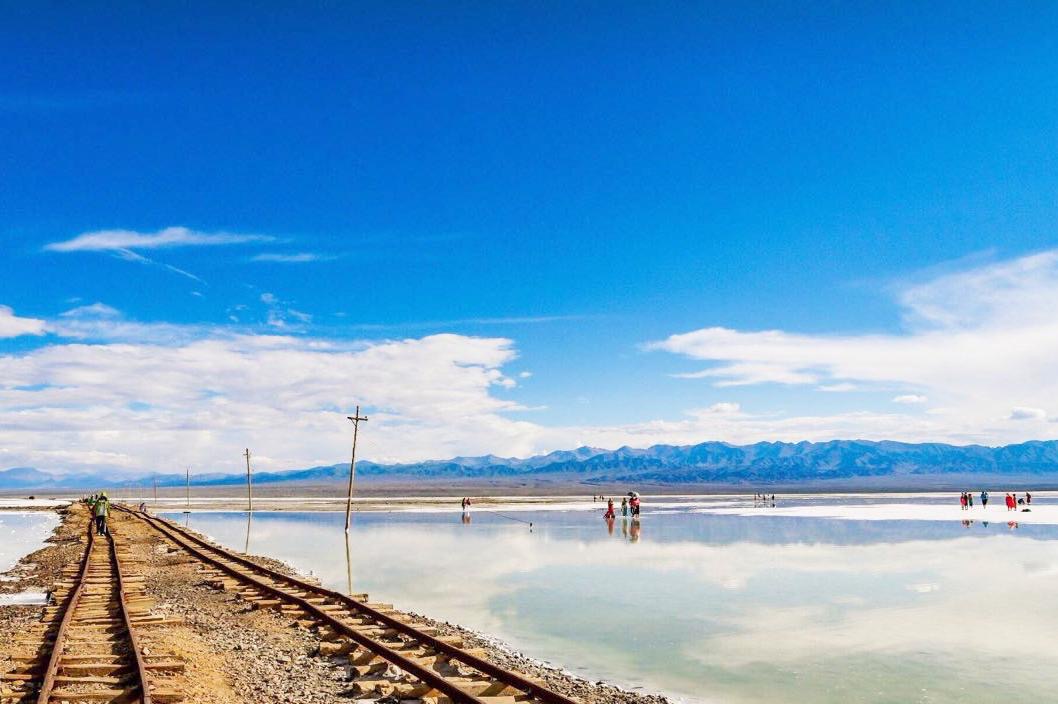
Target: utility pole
(188, 489)
(249, 480)
(156, 492)
(355, 418)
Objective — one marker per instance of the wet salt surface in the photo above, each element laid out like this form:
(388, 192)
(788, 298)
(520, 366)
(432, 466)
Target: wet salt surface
(21, 533)
(880, 598)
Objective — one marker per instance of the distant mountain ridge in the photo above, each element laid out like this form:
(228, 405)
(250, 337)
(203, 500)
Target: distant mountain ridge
(707, 462)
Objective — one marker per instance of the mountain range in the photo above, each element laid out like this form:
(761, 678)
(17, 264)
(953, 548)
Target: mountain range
(704, 463)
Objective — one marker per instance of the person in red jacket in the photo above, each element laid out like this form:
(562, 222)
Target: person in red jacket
(609, 510)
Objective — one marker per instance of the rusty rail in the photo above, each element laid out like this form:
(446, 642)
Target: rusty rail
(134, 641)
(196, 546)
(60, 635)
(47, 690)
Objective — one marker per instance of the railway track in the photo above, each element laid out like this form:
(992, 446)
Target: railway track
(389, 654)
(90, 645)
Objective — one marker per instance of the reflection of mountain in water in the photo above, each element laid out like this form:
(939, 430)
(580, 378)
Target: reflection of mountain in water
(656, 527)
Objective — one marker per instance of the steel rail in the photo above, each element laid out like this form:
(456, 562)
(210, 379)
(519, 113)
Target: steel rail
(540, 692)
(52, 672)
(47, 688)
(141, 666)
(413, 668)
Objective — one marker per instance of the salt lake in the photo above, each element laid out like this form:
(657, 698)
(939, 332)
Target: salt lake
(880, 598)
(22, 532)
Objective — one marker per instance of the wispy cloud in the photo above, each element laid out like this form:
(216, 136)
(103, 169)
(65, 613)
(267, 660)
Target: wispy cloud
(839, 388)
(910, 399)
(131, 240)
(484, 321)
(282, 316)
(298, 258)
(130, 256)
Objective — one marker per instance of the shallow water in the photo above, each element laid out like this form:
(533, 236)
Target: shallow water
(23, 532)
(709, 605)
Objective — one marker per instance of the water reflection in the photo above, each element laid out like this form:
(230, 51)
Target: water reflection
(23, 532)
(348, 568)
(715, 607)
(249, 526)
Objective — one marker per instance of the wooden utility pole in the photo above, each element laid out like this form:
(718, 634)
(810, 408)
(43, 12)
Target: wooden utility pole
(156, 491)
(188, 489)
(249, 481)
(355, 418)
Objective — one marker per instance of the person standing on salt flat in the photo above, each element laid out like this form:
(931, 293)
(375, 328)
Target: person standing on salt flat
(984, 499)
(970, 499)
(962, 501)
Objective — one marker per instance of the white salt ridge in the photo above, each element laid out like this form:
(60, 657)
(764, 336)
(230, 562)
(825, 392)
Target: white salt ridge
(24, 599)
(33, 503)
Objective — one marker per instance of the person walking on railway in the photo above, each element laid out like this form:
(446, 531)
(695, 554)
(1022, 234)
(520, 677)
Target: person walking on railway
(102, 512)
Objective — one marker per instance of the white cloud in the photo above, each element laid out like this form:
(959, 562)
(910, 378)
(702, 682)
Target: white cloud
(95, 310)
(211, 391)
(1024, 413)
(13, 326)
(283, 317)
(838, 388)
(299, 258)
(910, 399)
(129, 240)
(724, 407)
(976, 342)
(134, 405)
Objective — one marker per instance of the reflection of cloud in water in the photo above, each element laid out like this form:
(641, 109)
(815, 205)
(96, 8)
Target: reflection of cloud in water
(981, 600)
(696, 600)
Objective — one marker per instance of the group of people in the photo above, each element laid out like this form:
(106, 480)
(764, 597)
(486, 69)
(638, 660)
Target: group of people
(466, 504)
(629, 504)
(99, 509)
(966, 500)
(764, 500)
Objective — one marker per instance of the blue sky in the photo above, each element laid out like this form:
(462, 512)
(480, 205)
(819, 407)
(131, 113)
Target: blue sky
(569, 185)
